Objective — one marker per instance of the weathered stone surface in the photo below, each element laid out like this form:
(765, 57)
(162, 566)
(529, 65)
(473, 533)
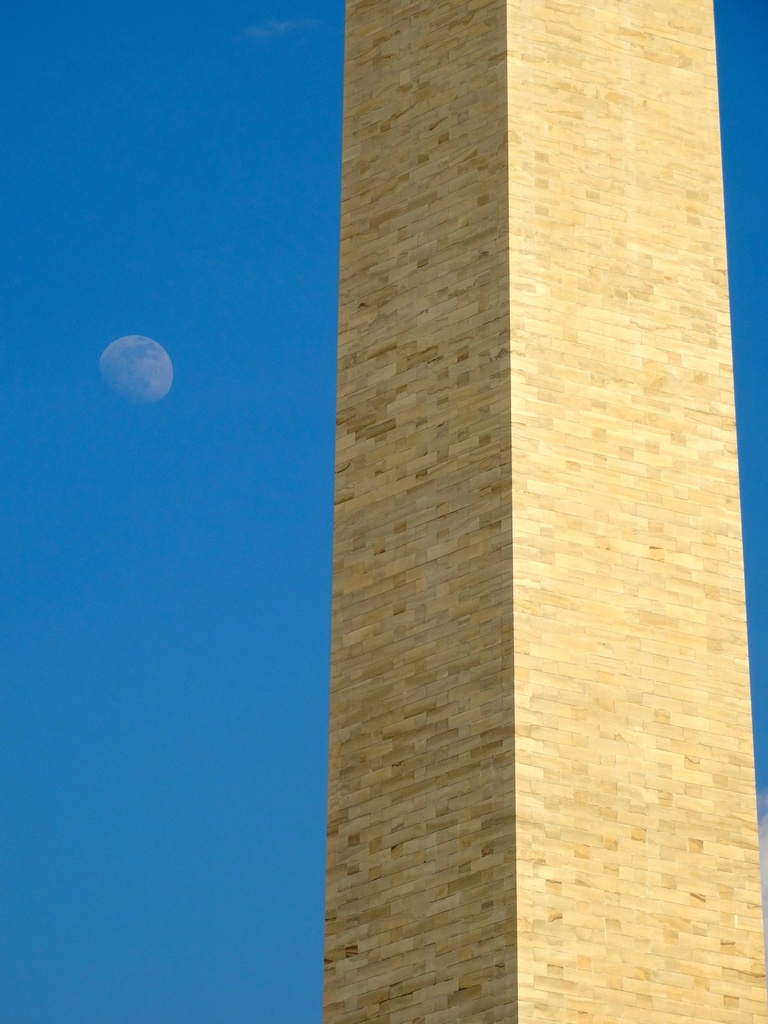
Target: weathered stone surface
(541, 802)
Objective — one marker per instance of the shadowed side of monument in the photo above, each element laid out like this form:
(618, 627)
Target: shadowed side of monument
(420, 904)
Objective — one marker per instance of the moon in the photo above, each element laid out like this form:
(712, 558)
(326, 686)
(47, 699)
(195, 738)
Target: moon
(137, 368)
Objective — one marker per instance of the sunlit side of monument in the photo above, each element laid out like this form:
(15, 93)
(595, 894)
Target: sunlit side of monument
(541, 796)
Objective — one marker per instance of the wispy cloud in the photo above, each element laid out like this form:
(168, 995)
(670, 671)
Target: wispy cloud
(273, 28)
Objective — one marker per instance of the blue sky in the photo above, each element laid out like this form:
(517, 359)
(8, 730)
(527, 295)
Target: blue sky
(172, 169)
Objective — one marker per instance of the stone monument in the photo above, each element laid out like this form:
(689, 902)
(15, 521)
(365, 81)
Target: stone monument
(541, 798)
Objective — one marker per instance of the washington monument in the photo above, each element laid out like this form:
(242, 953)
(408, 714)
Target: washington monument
(541, 789)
